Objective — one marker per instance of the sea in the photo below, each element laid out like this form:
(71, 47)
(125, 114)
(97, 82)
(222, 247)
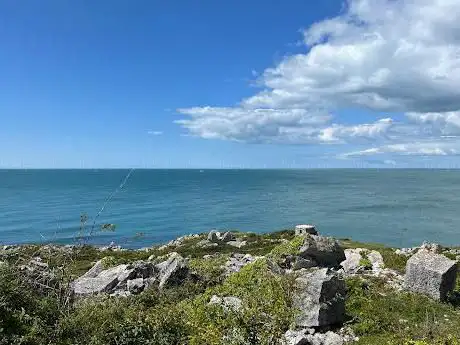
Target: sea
(395, 207)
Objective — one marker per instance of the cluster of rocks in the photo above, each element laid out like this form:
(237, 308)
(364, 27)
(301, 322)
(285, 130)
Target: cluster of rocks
(237, 261)
(359, 260)
(427, 246)
(133, 278)
(320, 266)
(179, 241)
(215, 238)
(320, 290)
(309, 336)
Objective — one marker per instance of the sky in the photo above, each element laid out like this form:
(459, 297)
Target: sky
(230, 84)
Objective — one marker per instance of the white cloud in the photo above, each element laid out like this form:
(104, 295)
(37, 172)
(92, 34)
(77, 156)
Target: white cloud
(277, 125)
(155, 132)
(379, 55)
(443, 124)
(373, 131)
(252, 125)
(410, 149)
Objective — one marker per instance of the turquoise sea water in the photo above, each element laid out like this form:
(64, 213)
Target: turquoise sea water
(395, 207)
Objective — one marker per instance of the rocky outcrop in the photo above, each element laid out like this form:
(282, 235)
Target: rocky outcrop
(104, 281)
(359, 260)
(431, 247)
(131, 279)
(237, 243)
(320, 298)
(325, 251)
(430, 274)
(237, 261)
(218, 237)
(215, 238)
(172, 271)
(178, 241)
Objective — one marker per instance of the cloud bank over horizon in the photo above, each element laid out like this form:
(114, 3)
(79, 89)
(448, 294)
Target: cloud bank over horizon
(384, 57)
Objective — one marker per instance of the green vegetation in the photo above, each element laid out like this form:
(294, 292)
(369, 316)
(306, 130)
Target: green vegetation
(32, 314)
(291, 247)
(381, 315)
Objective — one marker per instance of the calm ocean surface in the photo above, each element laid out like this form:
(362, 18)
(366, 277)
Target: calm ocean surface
(395, 207)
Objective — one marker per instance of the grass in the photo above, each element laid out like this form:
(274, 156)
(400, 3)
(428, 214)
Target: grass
(380, 315)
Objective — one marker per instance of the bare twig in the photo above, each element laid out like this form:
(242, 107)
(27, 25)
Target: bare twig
(120, 187)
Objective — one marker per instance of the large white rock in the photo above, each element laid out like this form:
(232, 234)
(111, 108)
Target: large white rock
(172, 271)
(430, 274)
(353, 262)
(325, 251)
(309, 337)
(105, 281)
(320, 298)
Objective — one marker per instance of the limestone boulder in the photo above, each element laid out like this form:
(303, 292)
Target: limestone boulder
(320, 297)
(309, 337)
(356, 257)
(105, 281)
(172, 271)
(325, 251)
(430, 274)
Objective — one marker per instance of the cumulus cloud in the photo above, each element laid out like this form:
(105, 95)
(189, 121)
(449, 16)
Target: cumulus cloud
(444, 124)
(252, 124)
(379, 55)
(277, 125)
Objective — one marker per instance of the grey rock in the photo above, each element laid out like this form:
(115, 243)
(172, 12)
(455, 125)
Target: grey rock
(328, 338)
(326, 251)
(228, 303)
(299, 337)
(430, 274)
(97, 268)
(431, 247)
(213, 236)
(320, 297)
(309, 337)
(237, 261)
(406, 251)
(228, 236)
(376, 260)
(172, 271)
(353, 264)
(97, 280)
(301, 262)
(105, 281)
(303, 229)
(206, 244)
(237, 243)
(136, 285)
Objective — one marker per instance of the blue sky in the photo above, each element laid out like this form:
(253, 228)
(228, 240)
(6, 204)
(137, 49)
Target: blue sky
(245, 84)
